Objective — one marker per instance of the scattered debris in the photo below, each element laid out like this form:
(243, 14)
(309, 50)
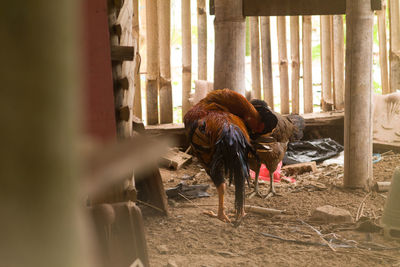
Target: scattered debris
(320, 236)
(175, 159)
(262, 210)
(382, 186)
(227, 254)
(300, 168)
(162, 249)
(171, 263)
(360, 209)
(329, 214)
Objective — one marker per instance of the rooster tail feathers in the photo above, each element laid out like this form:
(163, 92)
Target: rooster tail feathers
(231, 151)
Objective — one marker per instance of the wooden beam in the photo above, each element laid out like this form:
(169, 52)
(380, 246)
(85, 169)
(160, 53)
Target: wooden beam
(202, 39)
(255, 58)
(383, 55)
(186, 56)
(338, 61)
(298, 7)
(230, 36)
(152, 62)
(394, 53)
(122, 53)
(295, 62)
(137, 101)
(307, 65)
(283, 65)
(358, 108)
(164, 22)
(268, 86)
(326, 64)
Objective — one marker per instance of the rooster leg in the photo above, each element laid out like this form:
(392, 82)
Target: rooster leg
(256, 192)
(271, 191)
(221, 212)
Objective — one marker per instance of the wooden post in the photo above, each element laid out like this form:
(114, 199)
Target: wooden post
(383, 58)
(186, 56)
(268, 86)
(137, 101)
(230, 36)
(295, 58)
(152, 62)
(41, 227)
(338, 61)
(202, 39)
(326, 64)
(307, 65)
(283, 64)
(358, 113)
(255, 58)
(394, 54)
(164, 22)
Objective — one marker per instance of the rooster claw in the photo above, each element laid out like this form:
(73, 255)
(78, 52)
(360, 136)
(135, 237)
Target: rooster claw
(221, 216)
(271, 193)
(255, 193)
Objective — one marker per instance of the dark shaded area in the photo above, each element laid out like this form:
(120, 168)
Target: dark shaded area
(314, 150)
(189, 191)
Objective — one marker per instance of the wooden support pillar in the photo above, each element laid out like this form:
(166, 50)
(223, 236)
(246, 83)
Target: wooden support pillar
(137, 101)
(255, 57)
(268, 86)
(394, 54)
(283, 64)
(202, 39)
(164, 22)
(152, 62)
(39, 160)
(326, 64)
(358, 113)
(307, 65)
(295, 58)
(338, 61)
(186, 56)
(230, 36)
(383, 58)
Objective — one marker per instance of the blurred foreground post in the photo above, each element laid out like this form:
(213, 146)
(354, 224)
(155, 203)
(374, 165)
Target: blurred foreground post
(39, 110)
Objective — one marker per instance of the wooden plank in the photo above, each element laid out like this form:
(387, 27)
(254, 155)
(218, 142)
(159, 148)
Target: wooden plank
(175, 159)
(307, 65)
(266, 54)
(255, 58)
(122, 53)
(299, 168)
(383, 55)
(297, 7)
(283, 65)
(295, 66)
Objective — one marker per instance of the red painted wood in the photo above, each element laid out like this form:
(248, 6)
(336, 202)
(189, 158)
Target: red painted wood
(99, 121)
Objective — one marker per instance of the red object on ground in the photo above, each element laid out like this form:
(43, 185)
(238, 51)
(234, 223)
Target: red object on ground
(264, 174)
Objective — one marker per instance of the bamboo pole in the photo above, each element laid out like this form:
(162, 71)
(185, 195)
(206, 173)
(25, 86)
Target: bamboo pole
(255, 58)
(307, 65)
(230, 36)
(326, 64)
(268, 86)
(186, 56)
(358, 95)
(283, 64)
(338, 60)
(152, 62)
(41, 209)
(137, 101)
(202, 39)
(164, 22)
(295, 58)
(394, 54)
(383, 58)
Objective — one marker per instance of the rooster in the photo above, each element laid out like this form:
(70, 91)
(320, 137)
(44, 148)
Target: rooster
(218, 128)
(271, 147)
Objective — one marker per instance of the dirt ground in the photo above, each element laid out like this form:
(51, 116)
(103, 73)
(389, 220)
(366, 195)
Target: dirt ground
(189, 238)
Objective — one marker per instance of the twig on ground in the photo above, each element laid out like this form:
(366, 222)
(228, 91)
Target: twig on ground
(320, 235)
(360, 209)
(149, 205)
